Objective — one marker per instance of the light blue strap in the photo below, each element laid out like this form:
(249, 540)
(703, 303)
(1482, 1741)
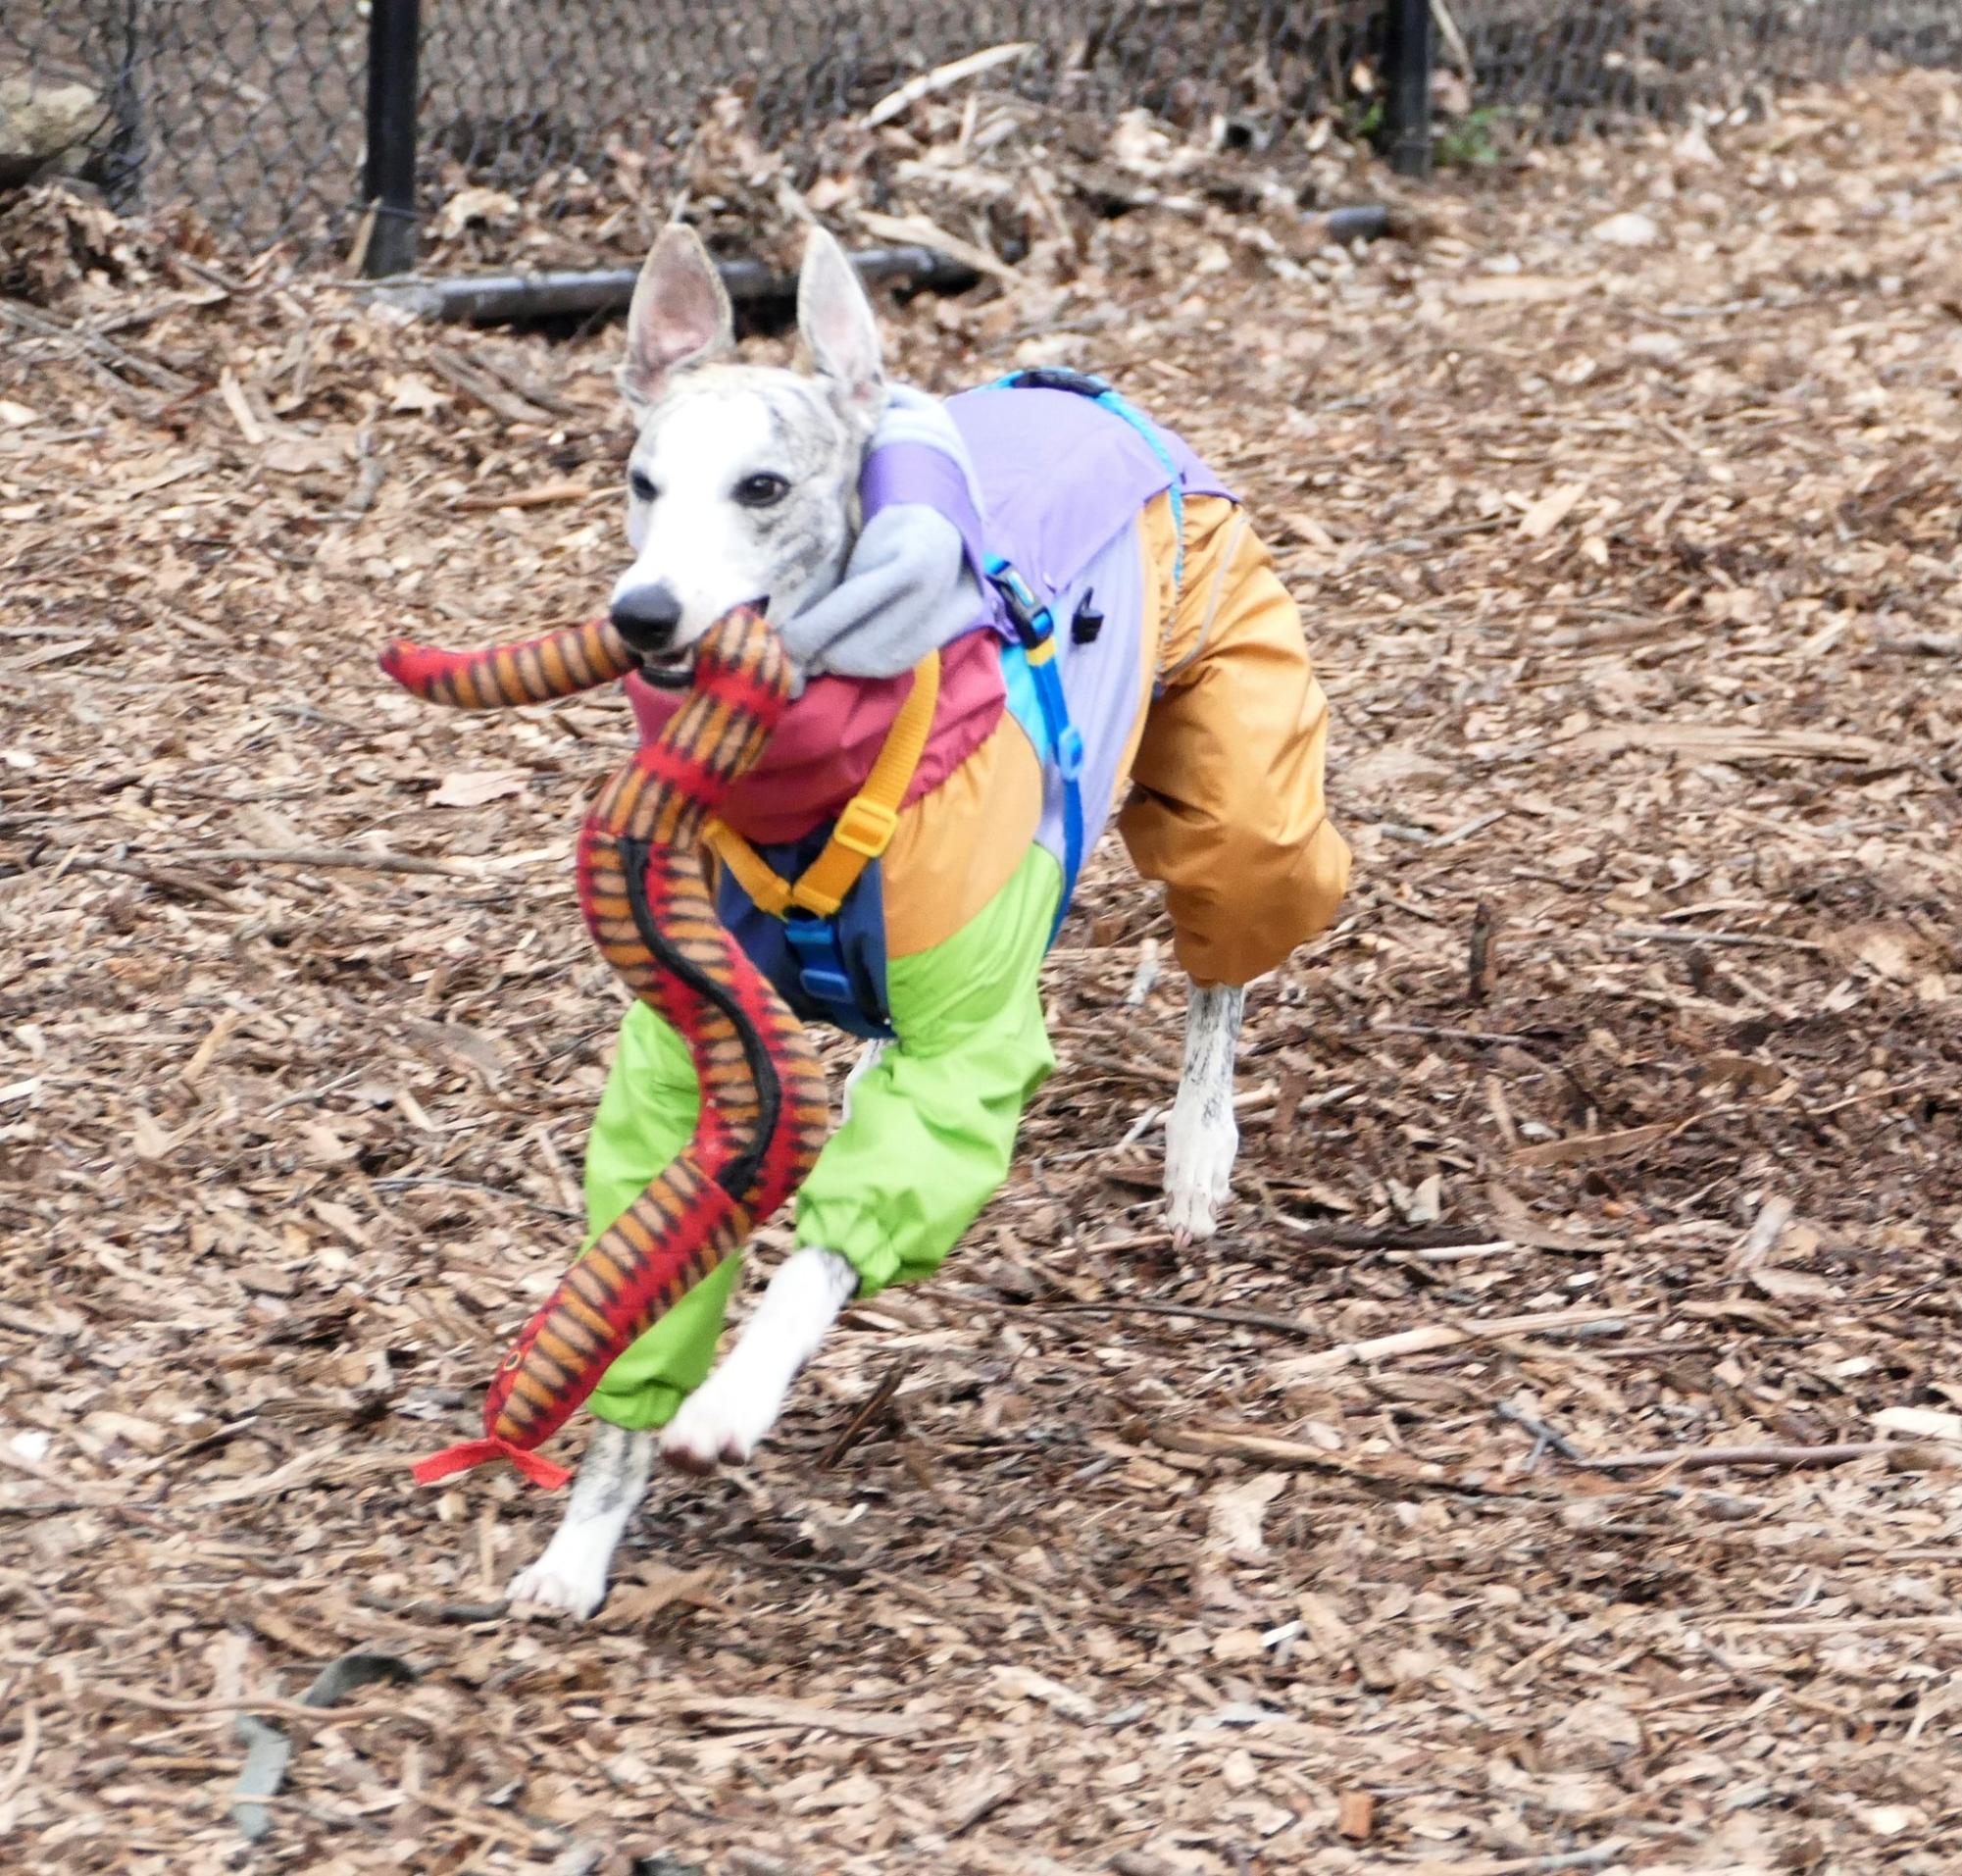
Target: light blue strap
(1067, 742)
(1035, 627)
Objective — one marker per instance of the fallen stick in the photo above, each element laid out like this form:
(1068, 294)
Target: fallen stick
(1440, 1335)
(252, 1704)
(1594, 1859)
(1453, 1254)
(1388, 1237)
(24, 1761)
(1756, 941)
(39, 323)
(943, 77)
(1296, 1456)
(1241, 1318)
(1920, 645)
(162, 877)
(356, 858)
(548, 496)
(1467, 1034)
(423, 1610)
(870, 1409)
(1696, 1459)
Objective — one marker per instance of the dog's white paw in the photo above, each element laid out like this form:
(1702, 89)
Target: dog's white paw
(1202, 1141)
(722, 1423)
(571, 1586)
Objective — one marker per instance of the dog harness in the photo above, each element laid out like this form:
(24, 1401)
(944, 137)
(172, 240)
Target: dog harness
(810, 911)
(764, 1113)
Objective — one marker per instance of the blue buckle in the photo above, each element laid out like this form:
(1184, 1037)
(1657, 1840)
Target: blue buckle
(821, 965)
(1070, 752)
(1032, 621)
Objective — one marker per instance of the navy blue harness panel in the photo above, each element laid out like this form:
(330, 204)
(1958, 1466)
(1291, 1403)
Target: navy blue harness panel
(827, 970)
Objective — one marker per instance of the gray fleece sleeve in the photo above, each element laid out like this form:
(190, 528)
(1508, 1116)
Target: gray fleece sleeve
(907, 590)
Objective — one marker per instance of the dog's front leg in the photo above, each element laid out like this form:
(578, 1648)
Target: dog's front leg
(1202, 1137)
(728, 1414)
(572, 1574)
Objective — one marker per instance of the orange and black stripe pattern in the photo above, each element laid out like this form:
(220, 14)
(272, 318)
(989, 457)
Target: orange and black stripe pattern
(764, 1111)
(558, 664)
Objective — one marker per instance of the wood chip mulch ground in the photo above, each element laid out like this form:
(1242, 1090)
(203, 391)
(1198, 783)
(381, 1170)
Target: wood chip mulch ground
(1555, 1463)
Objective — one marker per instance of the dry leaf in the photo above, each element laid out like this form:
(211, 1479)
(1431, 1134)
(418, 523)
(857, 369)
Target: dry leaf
(1518, 289)
(472, 788)
(1919, 1423)
(411, 392)
(1549, 511)
(150, 1141)
(1028, 1685)
(475, 203)
(1236, 1512)
(1631, 228)
(1233, 1645)
(632, 1605)
(1789, 1286)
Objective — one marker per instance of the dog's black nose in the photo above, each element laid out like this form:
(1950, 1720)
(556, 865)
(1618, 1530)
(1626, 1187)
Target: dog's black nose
(647, 617)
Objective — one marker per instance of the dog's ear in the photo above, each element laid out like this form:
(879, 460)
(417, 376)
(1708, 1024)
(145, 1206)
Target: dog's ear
(842, 336)
(680, 315)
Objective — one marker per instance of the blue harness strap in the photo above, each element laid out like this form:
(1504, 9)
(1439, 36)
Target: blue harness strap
(1035, 631)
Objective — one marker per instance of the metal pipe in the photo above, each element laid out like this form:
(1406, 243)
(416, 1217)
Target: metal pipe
(495, 299)
(492, 299)
(388, 175)
(1369, 223)
(1407, 72)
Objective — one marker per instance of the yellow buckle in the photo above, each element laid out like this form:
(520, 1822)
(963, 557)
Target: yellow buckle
(865, 827)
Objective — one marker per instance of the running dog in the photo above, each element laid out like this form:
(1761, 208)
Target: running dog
(1013, 614)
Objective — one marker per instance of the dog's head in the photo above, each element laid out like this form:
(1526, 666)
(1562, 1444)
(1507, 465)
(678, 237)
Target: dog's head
(742, 485)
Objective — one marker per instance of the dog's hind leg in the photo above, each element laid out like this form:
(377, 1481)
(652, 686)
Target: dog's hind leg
(572, 1574)
(1202, 1136)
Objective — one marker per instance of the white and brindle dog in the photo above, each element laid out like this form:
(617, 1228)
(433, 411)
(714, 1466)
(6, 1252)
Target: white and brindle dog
(743, 482)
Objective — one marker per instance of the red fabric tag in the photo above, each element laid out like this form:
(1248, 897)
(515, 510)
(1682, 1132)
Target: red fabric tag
(467, 1453)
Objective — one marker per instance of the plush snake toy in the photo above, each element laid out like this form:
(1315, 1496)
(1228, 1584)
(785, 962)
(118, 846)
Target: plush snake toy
(641, 889)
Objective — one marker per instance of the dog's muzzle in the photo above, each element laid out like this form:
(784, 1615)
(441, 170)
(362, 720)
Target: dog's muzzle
(647, 618)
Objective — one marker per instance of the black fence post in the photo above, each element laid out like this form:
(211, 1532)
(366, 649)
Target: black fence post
(389, 176)
(1407, 69)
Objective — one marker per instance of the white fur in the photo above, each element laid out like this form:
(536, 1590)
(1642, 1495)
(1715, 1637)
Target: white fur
(572, 1574)
(709, 432)
(1202, 1138)
(725, 1418)
(693, 539)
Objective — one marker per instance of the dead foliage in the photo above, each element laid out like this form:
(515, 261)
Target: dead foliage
(1553, 1466)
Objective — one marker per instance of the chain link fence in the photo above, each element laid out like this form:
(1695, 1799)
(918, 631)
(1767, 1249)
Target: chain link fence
(1554, 67)
(253, 109)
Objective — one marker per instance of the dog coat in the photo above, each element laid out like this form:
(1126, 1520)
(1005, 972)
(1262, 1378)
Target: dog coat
(1047, 482)
(1186, 672)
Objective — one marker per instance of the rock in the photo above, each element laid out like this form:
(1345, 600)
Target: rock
(1627, 229)
(1662, 348)
(46, 128)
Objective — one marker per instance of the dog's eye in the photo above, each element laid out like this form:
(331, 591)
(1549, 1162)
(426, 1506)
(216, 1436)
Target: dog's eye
(643, 486)
(761, 492)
